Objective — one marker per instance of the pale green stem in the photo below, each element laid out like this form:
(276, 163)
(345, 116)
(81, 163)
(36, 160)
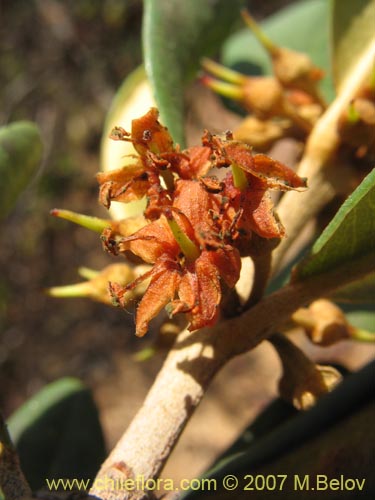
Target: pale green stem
(77, 290)
(362, 335)
(188, 248)
(267, 43)
(223, 72)
(87, 221)
(144, 354)
(223, 88)
(87, 273)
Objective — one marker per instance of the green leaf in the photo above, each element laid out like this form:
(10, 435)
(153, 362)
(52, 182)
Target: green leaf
(353, 25)
(349, 236)
(302, 26)
(20, 156)
(57, 433)
(176, 35)
(361, 316)
(358, 292)
(357, 301)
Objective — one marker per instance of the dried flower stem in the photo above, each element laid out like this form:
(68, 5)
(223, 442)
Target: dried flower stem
(187, 372)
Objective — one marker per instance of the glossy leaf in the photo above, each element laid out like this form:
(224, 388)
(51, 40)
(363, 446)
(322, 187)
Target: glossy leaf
(176, 35)
(353, 28)
(349, 236)
(302, 26)
(57, 433)
(20, 156)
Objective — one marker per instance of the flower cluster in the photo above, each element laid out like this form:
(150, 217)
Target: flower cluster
(197, 224)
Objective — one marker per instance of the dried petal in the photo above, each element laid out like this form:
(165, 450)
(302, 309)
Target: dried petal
(162, 289)
(228, 262)
(276, 174)
(124, 184)
(193, 200)
(149, 135)
(194, 162)
(257, 209)
(151, 242)
(199, 293)
(260, 215)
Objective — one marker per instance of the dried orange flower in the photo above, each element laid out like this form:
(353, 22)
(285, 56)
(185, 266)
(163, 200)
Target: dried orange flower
(198, 225)
(158, 158)
(189, 257)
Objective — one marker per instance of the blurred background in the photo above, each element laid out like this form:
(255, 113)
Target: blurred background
(60, 66)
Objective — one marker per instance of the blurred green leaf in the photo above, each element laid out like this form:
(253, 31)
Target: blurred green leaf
(349, 236)
(20, 156)
(302, 26)
(57, 433)
(353, 27)
(360, 316)
(357, 301)
(358, 292)
(176, 35)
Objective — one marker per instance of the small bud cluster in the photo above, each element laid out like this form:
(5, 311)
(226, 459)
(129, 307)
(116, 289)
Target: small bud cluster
(286, 103)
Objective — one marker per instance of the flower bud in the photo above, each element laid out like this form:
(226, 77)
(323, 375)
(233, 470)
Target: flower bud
(303, 382)
(261, 95)
(356, 127)
(306, 394)
(294, 70)
(261, 134)
(324, 322)
(96, 288)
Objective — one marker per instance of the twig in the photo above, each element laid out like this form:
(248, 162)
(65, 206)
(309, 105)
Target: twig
(190, 366)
